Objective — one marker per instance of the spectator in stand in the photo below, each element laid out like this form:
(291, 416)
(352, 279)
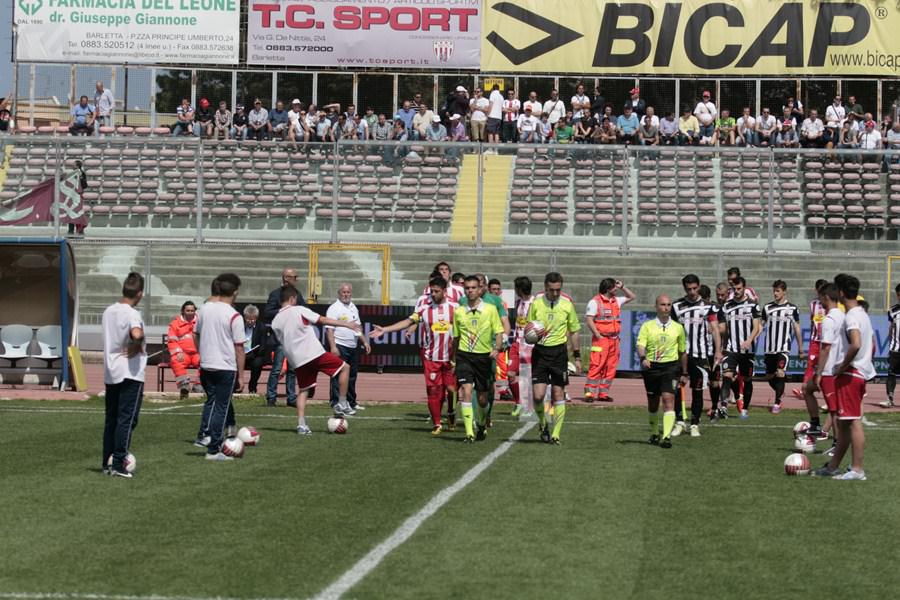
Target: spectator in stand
(362, 127)
(636, 102)
(886, 122)
(545, 130)
(606, 132)
(382, 130)
(222, 122)
(626, 126)
(835, 115)
(203, 120)
(746, 129)
(527, 127)
(796, 108)
(786, 115)
(649, 112)
(766, 128)
(406, 114)
(870, 139)
(584, 127)
(295, 117)
(416, 101)
(458, 103)
(421, 122)
(457, 129)
(706, 114)
(598, 102)
(537, 108)
(104, 103)
(812, 130)
(494, 115)
(479, 106)
(184, 118)
(400, 136)
(279, 123)
(847, 138)
(239, 123)
(345, 129)
(437, 132)
(350, 113)
(82, 122)
(787, 137)
(648, 132)
(725, 126)
(511, 106)
(668, 130)
(5, 114)
(892, 144)
(580, 101)
(323, 127)
(371, 118)
(258, 122)
(554, 108)
(855, 108)
(564, 130)
(688, 128)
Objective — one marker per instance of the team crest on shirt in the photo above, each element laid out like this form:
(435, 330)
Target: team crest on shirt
(440, 327)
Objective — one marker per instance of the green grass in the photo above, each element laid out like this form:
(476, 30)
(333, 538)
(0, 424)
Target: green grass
(603, 516)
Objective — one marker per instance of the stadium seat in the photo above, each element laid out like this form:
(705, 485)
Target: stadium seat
(15, 339)
(49, 339)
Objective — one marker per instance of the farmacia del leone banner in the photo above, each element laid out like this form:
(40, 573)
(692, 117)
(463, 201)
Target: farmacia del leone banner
(695, 37)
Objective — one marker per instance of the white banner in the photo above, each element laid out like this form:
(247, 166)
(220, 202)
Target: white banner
(365, 33)
(128, 31)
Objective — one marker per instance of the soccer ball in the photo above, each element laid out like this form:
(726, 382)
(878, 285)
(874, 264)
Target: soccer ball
(337, 425)
(796, 464)
(805, 443)
(130, 462)
(248, 435)
(233, 447)
(534, 331)
(801, 428)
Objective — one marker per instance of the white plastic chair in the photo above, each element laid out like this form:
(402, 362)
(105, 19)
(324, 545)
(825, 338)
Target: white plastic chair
(15, 339)
(49, 338)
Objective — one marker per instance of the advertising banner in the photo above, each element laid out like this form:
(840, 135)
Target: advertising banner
(691, 37)
(420, 34)
(128, 31)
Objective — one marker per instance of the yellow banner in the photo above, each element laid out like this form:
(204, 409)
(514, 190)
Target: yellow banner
(691, 37)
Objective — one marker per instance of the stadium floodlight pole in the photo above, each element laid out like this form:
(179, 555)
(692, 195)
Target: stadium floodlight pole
(770, 235)
(479, 216)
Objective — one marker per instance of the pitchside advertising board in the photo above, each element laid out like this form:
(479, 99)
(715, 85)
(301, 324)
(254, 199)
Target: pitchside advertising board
(692, 37)
(420, 34)
(128, 31)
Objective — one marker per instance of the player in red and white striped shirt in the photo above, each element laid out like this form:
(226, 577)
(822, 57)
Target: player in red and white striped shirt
(520, 351)
(436, 320)
(453, 292)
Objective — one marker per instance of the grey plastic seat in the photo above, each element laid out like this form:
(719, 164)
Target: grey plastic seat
(15, 339)
(49, 338)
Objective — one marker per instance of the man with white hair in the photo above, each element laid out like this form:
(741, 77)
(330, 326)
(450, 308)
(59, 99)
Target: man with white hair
(344, 343)
(103, 107)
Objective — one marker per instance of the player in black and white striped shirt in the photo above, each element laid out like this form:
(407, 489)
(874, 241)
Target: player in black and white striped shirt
(739, 318)
(782, 321)
(700, 321)
(894, 356)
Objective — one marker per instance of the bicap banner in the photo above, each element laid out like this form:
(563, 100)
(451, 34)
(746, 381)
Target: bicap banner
(692, 37)
(128, 31)
(420, 34)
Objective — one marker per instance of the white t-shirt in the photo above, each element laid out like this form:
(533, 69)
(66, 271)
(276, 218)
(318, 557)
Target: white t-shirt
(536, 107)
(343, 312)
(527, 123)
(832, 333)
(556, 109)
(592, 307)
(705, 108)
(580, 102)
(293, 326)
(496, 100)
(812, 127)
(479, 108)
(219, 327)
(765, 123)
(870, 140)
(118, 321)
(746, 123)
(835, 115)
(857, 319)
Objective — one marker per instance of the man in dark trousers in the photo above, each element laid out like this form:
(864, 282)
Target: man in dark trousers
(273, 305)
(257, 353)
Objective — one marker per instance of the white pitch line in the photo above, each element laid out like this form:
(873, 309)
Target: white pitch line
(370, 561)
(159, 410)
(92, 596)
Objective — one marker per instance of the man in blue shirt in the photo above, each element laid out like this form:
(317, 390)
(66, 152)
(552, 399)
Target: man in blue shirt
(406, 115)
(82, 118)
(278, 122)
(627, 126)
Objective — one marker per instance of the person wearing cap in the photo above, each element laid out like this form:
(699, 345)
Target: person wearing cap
(811, 131)
(239, 123)
(787, 137)
(636, 102)
(526, 126)
(724, 133)
(278, 125)
(295, 124)
(222, 121)
(258, 122)
(706, 114)
(479, 106)
(437, 132)
(870, 138)
(184, 118)
(421, 122)
(688, 128)
(203, 119)
(457, 129)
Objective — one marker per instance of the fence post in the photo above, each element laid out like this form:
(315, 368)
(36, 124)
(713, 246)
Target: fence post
(56, 183)
(625, 196)
(770, 241)
(335, 191)
(148, 286)
(479, 214)
(198, 158)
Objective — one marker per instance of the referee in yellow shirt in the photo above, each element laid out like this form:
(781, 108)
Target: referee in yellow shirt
(661, 347)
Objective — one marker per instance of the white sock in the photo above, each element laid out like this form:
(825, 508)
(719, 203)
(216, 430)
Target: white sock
(342, 399)
(302, 421)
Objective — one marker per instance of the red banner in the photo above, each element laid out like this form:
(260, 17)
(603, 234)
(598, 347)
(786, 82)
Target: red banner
(36, 205)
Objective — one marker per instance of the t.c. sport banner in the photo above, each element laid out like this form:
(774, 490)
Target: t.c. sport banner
(691, 37)
(421, 34)
(128, 31)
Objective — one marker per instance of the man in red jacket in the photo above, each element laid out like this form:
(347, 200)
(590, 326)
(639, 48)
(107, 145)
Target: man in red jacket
(182, 350)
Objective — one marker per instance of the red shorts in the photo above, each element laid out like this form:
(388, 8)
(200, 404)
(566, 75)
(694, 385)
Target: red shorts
(439, 373)
(830, 392)
(812, 360)
(850, 392)
(512, 359)
(327, 363)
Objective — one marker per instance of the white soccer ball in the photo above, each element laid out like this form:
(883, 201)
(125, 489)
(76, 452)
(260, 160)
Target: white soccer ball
(337, 425)
(805, 443)
(248, 435)
(801, 428)
(233, 447)
(130, 462)
(534, 331)
(796, 464)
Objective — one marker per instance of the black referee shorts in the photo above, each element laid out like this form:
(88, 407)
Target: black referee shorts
(894, 363)
(775, 362)
(661, 378)
(474, 369)
(738, 363)
(550, 365)
(700, 371)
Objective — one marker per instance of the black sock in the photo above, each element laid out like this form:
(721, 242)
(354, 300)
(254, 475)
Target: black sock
(891, 384)
(815, 423)
(779, 389)
(715, 393)
(748, 392)
(696, 406)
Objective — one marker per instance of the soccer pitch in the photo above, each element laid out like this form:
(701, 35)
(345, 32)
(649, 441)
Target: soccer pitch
(369, 514)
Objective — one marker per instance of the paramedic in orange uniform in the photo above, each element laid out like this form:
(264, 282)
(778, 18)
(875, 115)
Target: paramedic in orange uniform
(182, 350)
(604, 321)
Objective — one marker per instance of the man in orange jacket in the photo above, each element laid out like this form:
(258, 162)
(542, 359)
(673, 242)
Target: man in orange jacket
(604, 321)
(182, 350)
